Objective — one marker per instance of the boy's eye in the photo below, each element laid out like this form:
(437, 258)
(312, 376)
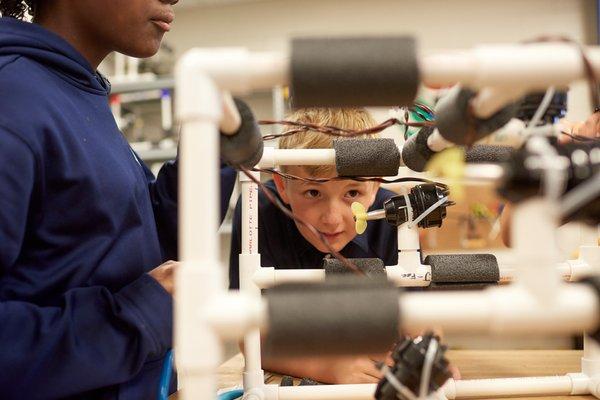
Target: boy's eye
(352, 193)
(312, 193)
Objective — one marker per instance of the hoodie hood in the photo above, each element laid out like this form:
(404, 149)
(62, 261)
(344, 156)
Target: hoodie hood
(32, 41)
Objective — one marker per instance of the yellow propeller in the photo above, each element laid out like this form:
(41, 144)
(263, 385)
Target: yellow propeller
(450, 164)
(360, 216)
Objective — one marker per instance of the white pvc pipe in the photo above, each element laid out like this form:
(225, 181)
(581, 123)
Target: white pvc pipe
(590, 362)
(166, 110)
(503, 310)
(240, 71)
(199, 279)
(437, 143)
(327, 392)
(408, 238)
(249, 262)
(527, 386)
(532, 66)
(534, 223)
(273, 157)
(231, 121)
(498, 310)
(268, 277)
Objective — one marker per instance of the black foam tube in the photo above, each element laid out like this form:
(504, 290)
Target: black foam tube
(463, 268)
(366, 157)
(347, 72)
(244, 147)
(415, 152)
(372, 267)
(456, 125)
(488, 154)
(346, 315)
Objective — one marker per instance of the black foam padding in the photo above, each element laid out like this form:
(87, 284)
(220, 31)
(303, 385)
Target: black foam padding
(372, 267)
(488, 154)
(308, 382)
(351, 72)
(415, 152)
(346, 315)
(366, 157)
(287, 380)
(463, 268)
(245, 147)
(456, 125)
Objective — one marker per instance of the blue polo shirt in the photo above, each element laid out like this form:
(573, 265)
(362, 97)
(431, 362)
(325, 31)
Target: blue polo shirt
(282, 246)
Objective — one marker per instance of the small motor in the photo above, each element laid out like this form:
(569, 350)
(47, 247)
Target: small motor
(415, 360)
(421, 197)
(557, 108)
(396, 211)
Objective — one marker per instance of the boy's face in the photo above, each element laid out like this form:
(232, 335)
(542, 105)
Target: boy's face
(326, 206)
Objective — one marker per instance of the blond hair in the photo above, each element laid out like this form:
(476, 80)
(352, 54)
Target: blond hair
(344, 118)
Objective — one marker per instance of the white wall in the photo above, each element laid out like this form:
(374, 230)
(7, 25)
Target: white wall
(438, 24)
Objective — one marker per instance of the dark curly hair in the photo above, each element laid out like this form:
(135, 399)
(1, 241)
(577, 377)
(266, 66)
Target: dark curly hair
(17, 8)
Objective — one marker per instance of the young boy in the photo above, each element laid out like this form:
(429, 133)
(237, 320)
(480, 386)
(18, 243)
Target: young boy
(284, 244)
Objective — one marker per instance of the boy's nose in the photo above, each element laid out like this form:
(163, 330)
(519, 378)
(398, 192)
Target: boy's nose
(332, 217)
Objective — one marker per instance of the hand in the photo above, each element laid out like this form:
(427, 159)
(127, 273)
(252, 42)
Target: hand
(590, 128)
(164, 275)
(455, 372)
(362, 369)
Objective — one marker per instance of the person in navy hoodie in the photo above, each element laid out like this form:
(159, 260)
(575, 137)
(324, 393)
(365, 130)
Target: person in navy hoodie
(85, 229)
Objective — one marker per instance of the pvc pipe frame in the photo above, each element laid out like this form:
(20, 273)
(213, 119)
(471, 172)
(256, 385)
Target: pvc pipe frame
(201, 75)
(570, 384)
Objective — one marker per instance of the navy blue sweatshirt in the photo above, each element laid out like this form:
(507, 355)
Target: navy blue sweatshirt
(82, 221)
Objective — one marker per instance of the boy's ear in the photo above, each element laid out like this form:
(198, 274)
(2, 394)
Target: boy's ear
(280, 184)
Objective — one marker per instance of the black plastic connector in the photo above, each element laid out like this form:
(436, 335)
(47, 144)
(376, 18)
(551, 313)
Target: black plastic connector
(421, 197)
(409, 358)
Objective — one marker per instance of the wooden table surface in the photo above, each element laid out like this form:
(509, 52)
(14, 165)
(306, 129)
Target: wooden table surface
(473, 364)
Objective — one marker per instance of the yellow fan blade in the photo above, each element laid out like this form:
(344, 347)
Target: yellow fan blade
(360, 226)
(360, 216)
(450, 164)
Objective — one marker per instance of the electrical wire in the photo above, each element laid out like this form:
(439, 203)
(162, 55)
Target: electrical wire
(231, 395)
(542, 108)
(402, 390)
(428, 211)
(580, 138)
(427, 367)
(299, 127)
(351, 178)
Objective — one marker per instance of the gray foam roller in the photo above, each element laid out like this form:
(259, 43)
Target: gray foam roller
(366, 157)
(346, 72)
(372, 267)
(488, 154)
(415, 152)
(245, 147)
(463, 268)
(346, 315)
(456, 125)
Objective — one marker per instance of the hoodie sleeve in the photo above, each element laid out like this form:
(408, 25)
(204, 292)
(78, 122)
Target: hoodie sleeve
(92, 337)
(163, 192)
